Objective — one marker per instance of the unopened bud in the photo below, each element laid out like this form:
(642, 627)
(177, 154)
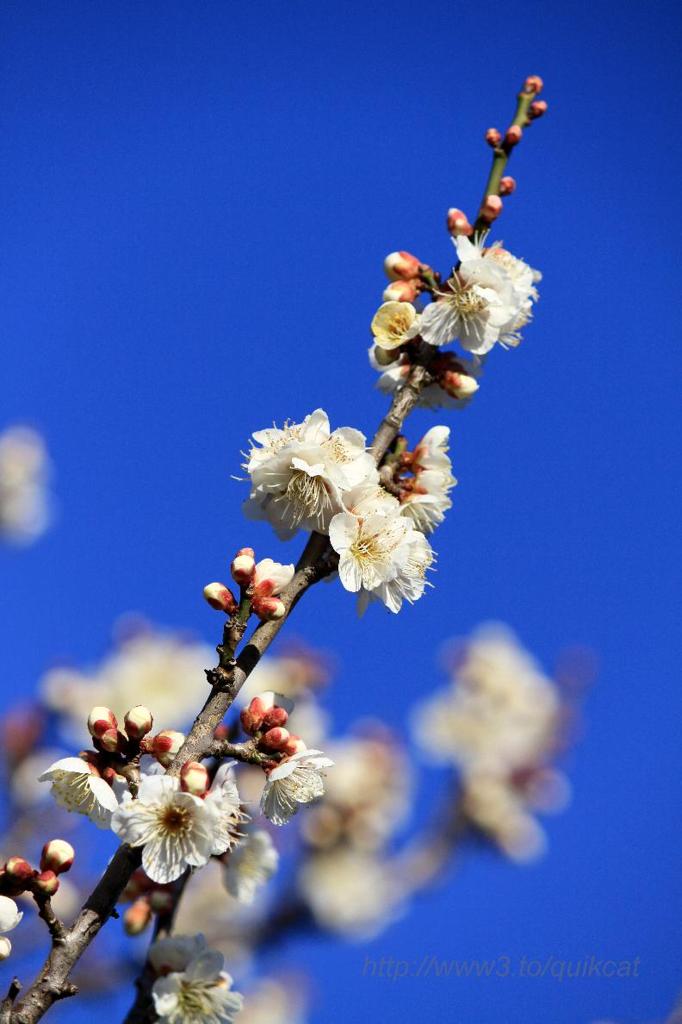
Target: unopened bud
(493, 137)
(275, 717)
(220, 597)
(253, 715)
(194, 778)
(507, 185)
(243, 566)
(19, 869)
(166, 744)
(137, 917)
(109, 740)
(294, 745)
(138, 722)
(5, 947)
(491, 208)
(458, 222)
(459, 385)
(275, 738)
(537, 109)
(401, 266)
(533, 84)
(513, 135)
(57, 856)
(100, 720)
(269, 609)
(401, 291)
(47, 883)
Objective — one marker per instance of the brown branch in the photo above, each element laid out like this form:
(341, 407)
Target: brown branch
(247, 753)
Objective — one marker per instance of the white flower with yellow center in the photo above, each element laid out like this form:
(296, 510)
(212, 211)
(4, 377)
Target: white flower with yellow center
(427, 501)
(381, 556)
(300, 473)
(250, 865)
(77, 786)
(394, 324)
(296, 780)
(199, 991)
(178, 830)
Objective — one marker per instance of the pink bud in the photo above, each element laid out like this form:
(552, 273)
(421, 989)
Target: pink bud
(220, 597)
(533, 84)
(100, 720)
(137, 917)
(458, 222)
(253, 715)
(57, 856)
(274, 739)
(401, 291)
(275, 717)
(138, 722)
(243, 566)
(459, 385)
(294, 745)
(401, 266)
(537, 109)
(109, 740)
(19, 869)
(194, 778)
(513, 135)
(507, 185)
(166, 744)
(491, 208)
(493, 137)
(269, 609)
(46, 882)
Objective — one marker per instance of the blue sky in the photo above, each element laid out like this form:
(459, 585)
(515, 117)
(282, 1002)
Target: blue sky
(197, 199)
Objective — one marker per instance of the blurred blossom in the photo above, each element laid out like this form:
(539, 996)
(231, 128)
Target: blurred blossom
(152, 667)
(350, 892)
(24, 496)
(500, 723)
(273, 1002)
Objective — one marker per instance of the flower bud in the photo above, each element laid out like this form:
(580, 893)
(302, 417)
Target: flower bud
(220, 597)
(493, 137)
(19, 869)
(100, 720)
(161, 901)
(57, 856)
(269, 609)
(537, 109)
(275, 738)
(458, 222)
(166, 744)
(294, 745)
(47, 883)
(491, 208)
(253, 715)
(458, 385)
(243, 566)
(401, 266)
(109, 740)
(138, 722)
(513, 135)
(194, 778)
(137, 917)
(533, 84)
(275, 717)
(507, 185)
(401, 291)
(5, 947)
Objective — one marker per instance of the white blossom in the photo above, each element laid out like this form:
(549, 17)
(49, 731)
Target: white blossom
(426, 499)
(300, 473)
(296, 780)
(196, 991)
(272, 576)
(382, 557)
(394, 324)
(523, 279)
(350, 892)
(10, 915)
(24, 496)
(178, 830)
(77, 786)
(250, 865)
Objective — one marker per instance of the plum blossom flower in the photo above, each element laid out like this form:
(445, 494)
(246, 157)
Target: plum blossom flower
(176, 829)
(250, 865)
(197, 990)
(382, 556)
(393, 377)
(78, 786)
(300, 473)
(394, 324)
(350, 892)
(24, 497)
(523, 279)
(426, 499)
(270, 578)
(296, 780)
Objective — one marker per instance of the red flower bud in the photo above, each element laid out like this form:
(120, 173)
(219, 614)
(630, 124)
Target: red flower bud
(491, 208)
(533, 84)
(493, 137)
(138, 722)
(243, 566)
(57, 856)
(101, 720)
(275, 717)
(19, 869)
(220, 597)
(401, 266)
(137, 917)
(194, 778)
(507, 186)
(401, 291)
(537, 109)
(513, 135)
(269, 609)
(274, 738)
(458, 222)
(47, 883)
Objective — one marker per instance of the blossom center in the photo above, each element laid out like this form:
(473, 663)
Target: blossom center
(174, 820)
(307, 495)
(466, 300)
